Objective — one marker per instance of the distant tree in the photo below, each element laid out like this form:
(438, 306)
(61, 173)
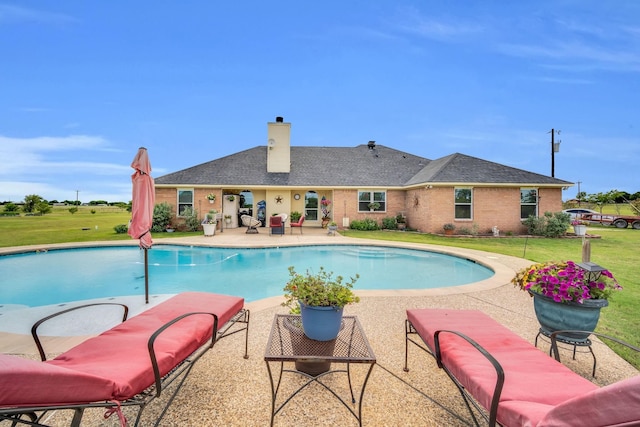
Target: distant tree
(98, 202)
(30, 203)
(121, 205)
(601, 199)
(11, 207)
(43, 207)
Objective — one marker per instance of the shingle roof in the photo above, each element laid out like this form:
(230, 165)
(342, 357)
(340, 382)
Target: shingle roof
(347, 167)
(460, 168)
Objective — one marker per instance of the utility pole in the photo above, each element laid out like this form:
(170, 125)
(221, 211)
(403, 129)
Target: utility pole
(77, 202)
(579, 196)
(555, 147)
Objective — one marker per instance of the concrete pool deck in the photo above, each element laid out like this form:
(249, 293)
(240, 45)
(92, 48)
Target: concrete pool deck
(226, 389)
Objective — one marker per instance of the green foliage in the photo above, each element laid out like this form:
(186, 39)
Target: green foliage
(389, 223)
(43, 207)
(549, 225)
(320, 290)
(120, 228)
(449, 226)
(93, 211)
(161, 217)
(30, 203)
(11, 207)
(367, 224)
(295, 216)
(73, 210)
(191, 220)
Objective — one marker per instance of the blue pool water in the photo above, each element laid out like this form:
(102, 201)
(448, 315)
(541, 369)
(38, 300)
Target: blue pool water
(57, 276)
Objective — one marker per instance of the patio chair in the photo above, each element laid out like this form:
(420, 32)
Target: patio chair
(510, 382)
(297, 224)
(276, 225)
(251, 223)
(126, 366)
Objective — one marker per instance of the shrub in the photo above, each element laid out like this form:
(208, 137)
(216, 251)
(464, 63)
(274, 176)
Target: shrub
(549, 225)
(11, 207)
(120, 228)
(191, 220)
(389, 223)
(73, 210)
(364, 225)
(161, 217)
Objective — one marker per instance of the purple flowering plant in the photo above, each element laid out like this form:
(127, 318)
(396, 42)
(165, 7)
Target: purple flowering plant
(565, 281)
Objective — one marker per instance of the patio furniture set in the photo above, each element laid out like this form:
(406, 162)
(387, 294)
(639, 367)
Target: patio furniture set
(500, 376)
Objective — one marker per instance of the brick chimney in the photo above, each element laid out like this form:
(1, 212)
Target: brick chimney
(279, 146)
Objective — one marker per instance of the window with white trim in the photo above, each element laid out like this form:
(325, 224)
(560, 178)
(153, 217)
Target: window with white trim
(311, 206)
(185, 200)
(528, 202)
(463, 198)
(372, 200)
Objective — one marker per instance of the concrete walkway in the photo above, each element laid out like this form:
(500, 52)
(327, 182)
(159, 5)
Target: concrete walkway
(227, 390)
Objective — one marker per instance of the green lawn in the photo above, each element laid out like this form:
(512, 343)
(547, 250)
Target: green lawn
(616, 250)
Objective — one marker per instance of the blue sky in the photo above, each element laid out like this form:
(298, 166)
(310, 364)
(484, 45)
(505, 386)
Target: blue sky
(84, 84)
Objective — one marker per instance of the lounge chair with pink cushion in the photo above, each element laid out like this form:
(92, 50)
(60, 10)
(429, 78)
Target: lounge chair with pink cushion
(128, 365)
(512, 383)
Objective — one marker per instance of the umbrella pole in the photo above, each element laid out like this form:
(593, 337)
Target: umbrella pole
(146, 277)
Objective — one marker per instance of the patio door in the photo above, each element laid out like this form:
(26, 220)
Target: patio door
(311, 206)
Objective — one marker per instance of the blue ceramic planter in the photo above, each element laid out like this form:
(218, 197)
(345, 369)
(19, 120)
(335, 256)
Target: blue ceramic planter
(321, 323)
(554, 316)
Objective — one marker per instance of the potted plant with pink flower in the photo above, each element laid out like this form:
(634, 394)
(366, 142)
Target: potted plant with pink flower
(326, 213)
(557, 287)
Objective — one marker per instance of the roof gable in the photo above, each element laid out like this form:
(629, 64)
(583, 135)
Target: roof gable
(460, 168)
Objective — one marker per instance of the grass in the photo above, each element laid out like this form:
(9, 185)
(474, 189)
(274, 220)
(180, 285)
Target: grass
(616, 250)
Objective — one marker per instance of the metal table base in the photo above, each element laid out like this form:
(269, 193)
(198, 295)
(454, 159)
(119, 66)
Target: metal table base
(287, 343)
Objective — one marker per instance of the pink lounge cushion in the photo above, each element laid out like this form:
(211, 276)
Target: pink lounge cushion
(116, 364)
(532, 379)
(121, 353)
(617, 404)
(25, 382)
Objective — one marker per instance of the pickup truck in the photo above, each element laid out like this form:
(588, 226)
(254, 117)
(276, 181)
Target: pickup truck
(620, 221)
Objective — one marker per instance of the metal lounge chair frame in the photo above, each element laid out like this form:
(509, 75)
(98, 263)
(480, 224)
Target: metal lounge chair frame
(491, 413)
(34, 415)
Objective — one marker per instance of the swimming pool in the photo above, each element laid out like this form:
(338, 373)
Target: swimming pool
(63, 275)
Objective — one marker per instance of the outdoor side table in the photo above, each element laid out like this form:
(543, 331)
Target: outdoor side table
(287, 343)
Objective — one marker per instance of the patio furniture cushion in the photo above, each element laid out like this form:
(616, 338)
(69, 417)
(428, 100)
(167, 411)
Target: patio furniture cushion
(115, 365)
(534, 382)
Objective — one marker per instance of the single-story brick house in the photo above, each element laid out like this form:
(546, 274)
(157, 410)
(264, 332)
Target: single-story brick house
(466, 191)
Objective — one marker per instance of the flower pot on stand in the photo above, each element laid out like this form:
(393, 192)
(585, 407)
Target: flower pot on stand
(321, 323)
(209, 229)
(580, 230)
(559, 316)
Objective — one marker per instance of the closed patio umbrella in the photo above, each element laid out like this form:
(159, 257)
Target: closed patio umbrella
(142, 204)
